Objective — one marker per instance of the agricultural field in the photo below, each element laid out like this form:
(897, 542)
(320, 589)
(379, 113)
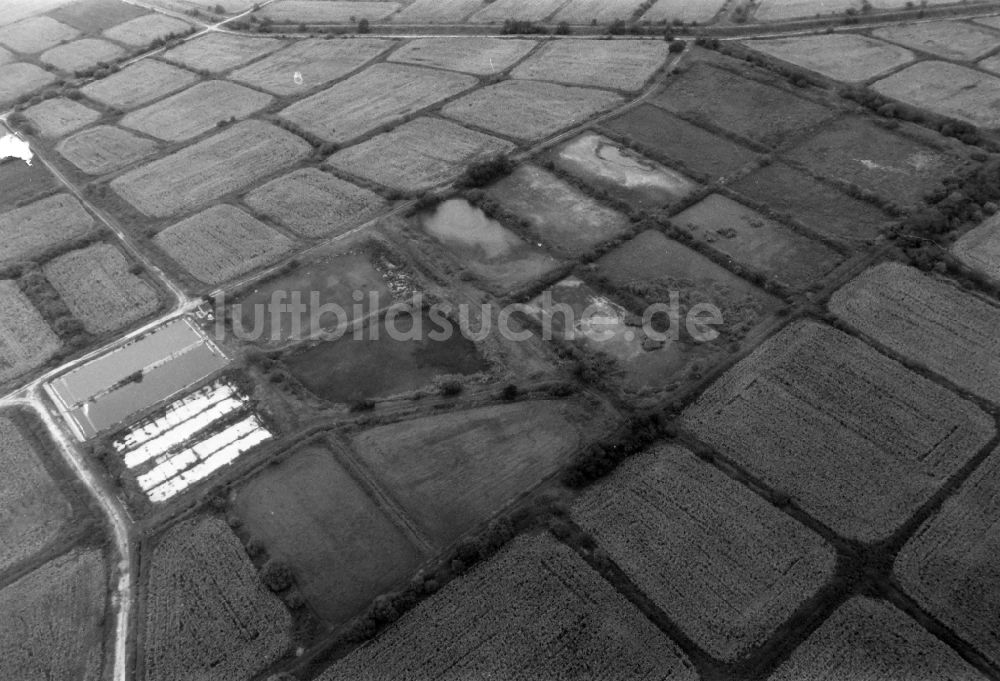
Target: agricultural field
(26, 341)
(529, 110)
(196, 110)
(868, 638)
(104, 149)
(54, 620)
(325, 11)
(563, 217)
(523, 10)
(97, 286)
(535, 611)
(139, 84)
(946, 39)
(34, 509)
(143, 30)
(745, 236)
(481, 56)
(20, 79)
(979, 249)
(852, 436)
(610, 167)
(485, 247)
(946, 89)
(417, 155)
(36, 34)
(381, 94)
(227, 162)
(857, 151)
(472, 463)
(218, 52)
(818, 206)
(694, 149)
(314, 204)
(846, 57)
(948, 565)
(778, 10)
(613, 64)
(81, 54)
(206, 613)
(928, 321)
(343, 548)
(756, 111)
(437, 11)
(59, 116)
(32, 230)
(601, 11)
(317, 62)
(220, 243)
(94, 16)
(23, 183)
(720, 561)
(683, 10)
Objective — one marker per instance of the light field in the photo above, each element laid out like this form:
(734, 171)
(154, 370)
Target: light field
(946, 39)
(613, 64)
(325, 11)
(684, 10)
(437, 11)
(31, 230)
(26, 341)
(979, 248)
(143, 30)
(853, 437)
(81, 54)
(527, 10)
(139, 84)
(19, 79)
(218, 52)
(36, 34)
(601, 11)
(481, 56)
(60, 116)
(946, 89)
(845, 57)
(105, 149)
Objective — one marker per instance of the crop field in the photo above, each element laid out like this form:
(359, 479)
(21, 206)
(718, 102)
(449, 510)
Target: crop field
(437, 11)
(325, 11)
(23, 183)
(36, 34)
(206, 613)
(218, 52)
(777, 10)
(529, 110)
(947, 39)
(381, 94)
(535, 611)
(143, 30)
(693, 148)
(33, 507)
(561, 216)
(227, 162)
(60, 116)
(756, 111)
(683, 10)
(318, 62)
(472, 462)
(947, 566)
(342, 547)
(94, 16)
(139, 84)
(54, 620)
(747, 237)
(818, 206)
(31, 230)
(26, 341)
(105, 149)
(196, 110)
(81, 54)
(859, 152)
(928, 321)
(979, 249)
(846, 57)
(721, 562)
(19, 79)
(946, 89)
(852, 436)
(96, 285)
(868, 638)
(220, 243)
(527, 10)
(481, 56)
(613, 64)
(601, 11)
(418, 155)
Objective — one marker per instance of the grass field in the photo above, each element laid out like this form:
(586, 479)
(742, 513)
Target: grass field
(325, 11)
(381, 94)
(196, 110)
(60, 116)
(31, 230)
(853, 437)
(946, 39)
(524, 10)
(683, 10)
(205, 613)
(26, 341)
(81, 54)
(105, 149)
(535, 611)
(979, 249)
(613, 64)
(97, 286)
(218, 52)
(745, 236)
(23, 183)
(343, 548)
(139, 84)
(693, 148)
(481, 56)
(471, 462)
(36, 34)
(314, 204)
(927, 321)
(721, 562)
(841, 56)
(318, 62)
(143, 30)
(55, 620)
(417, 155)
(220, 243)
(946, 89)
(437, 11)
(20, 79)
(756, 111)
(529, 110)
(227, 162)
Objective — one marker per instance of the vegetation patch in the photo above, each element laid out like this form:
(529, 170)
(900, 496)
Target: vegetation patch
(138, 84)
(23, 183)
(59, 116)
(36, 34)
(325, 11)
(146, 29)
(846, 57)
(947, 90)
(104, 149)
(613, 64)
(481, 56)
(219, 52)
(20, 79)
(32, 230)
(946, 39)
(81, 55)
(526, 10)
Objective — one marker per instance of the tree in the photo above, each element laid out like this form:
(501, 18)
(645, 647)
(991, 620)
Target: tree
(276, 575)
(364, 26)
